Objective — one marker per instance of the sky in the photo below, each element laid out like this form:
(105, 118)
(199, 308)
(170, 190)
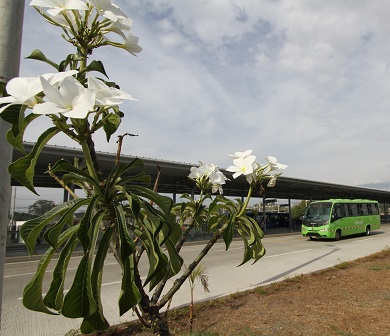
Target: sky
(304, 81)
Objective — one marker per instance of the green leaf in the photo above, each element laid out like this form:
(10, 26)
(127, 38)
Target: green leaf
(16, 133)
(55, 295)
(74, 174)
(23, 169)
(157, 260)
(31, 229)
(127, 246)
(64, 64)
(11, 113)
(94, 66)
(32, 295)
(111, 124)
(228, 233)
(39, 56)
(130, 294)
(119, 170)
(175, 260)
(165, 203)
(86, 223)
(79, 302)
(97, 321)
(52, 235)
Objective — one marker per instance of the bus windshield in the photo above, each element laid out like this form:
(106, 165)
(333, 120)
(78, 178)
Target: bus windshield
(318, 211)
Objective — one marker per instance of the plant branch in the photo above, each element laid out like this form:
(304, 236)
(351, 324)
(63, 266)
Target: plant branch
(177, 284)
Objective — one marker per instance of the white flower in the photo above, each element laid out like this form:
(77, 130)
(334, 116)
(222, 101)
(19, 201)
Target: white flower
(208, 176)
(217, 177)
(57, 6)
(237, 155)
(118, 26)
(274, 165)
(23, 90)
(105, 95)
(107, 9)
(131, 44)
(71, 99)
(243, 165)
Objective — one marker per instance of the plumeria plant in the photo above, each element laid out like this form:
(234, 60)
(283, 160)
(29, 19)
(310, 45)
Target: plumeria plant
(122, 211)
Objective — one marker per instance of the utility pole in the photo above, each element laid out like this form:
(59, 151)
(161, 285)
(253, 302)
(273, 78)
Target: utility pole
(11, 27)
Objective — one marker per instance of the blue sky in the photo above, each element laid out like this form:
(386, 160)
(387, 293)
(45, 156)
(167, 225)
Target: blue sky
(304, 81)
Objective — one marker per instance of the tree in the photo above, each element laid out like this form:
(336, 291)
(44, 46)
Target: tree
(298, 209)
(120, 207)
(41, 207)
(200, 274)
(22, 216)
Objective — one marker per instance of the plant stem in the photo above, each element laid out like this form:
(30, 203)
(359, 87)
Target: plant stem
(248, 197)
(89, 160)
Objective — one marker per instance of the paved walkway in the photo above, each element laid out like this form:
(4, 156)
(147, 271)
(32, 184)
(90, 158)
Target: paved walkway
(16, 320)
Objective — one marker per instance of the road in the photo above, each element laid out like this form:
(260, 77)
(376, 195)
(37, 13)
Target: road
(286, 256)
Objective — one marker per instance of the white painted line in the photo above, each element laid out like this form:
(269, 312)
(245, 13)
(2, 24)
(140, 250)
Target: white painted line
(103, 284)
(34, 261)
(49, 271)
(364, 239)
(283, 254)
(232, 248)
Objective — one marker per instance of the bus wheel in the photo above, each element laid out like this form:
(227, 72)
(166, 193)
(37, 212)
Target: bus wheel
(368, 230)
(337, 235)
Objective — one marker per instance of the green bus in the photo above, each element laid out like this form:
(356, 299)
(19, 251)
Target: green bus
(335, 218)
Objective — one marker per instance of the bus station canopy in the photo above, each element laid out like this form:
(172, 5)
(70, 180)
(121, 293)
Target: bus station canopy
(174, 178)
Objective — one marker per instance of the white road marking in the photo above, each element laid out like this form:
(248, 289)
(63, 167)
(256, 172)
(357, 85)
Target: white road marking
(49, 271)
(364, 239)
(283, 254)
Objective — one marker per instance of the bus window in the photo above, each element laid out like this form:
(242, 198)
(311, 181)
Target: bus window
(374, 209)
(346, 211)
(364, 209)
(353, 207)
(339, 210)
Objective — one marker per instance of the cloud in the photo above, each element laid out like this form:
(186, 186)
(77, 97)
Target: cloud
(304, 81)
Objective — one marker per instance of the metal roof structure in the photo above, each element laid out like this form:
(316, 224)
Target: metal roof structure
(174, 178)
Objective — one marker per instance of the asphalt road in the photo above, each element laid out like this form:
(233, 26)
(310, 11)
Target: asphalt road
(286, 256)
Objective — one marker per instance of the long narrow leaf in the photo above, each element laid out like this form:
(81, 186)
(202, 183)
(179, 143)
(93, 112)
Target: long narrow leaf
(73, 173)
(32, 295)
(79, 302)
(39, 56)
(23, 169)
(15, 135)
(127, 246)
(55, 295)
(97, 321)
(164, 202)
(31, 229)
(86, 222)
(130, 294)
(52, 234)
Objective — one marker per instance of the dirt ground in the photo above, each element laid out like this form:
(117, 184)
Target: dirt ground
(352, 298)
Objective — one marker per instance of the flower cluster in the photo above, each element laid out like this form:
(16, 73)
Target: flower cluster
(62, 93)
(208, 176)
(86, 23)
(244, 163)
(71, 93)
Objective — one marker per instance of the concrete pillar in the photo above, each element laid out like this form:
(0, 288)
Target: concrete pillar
(11, 26)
